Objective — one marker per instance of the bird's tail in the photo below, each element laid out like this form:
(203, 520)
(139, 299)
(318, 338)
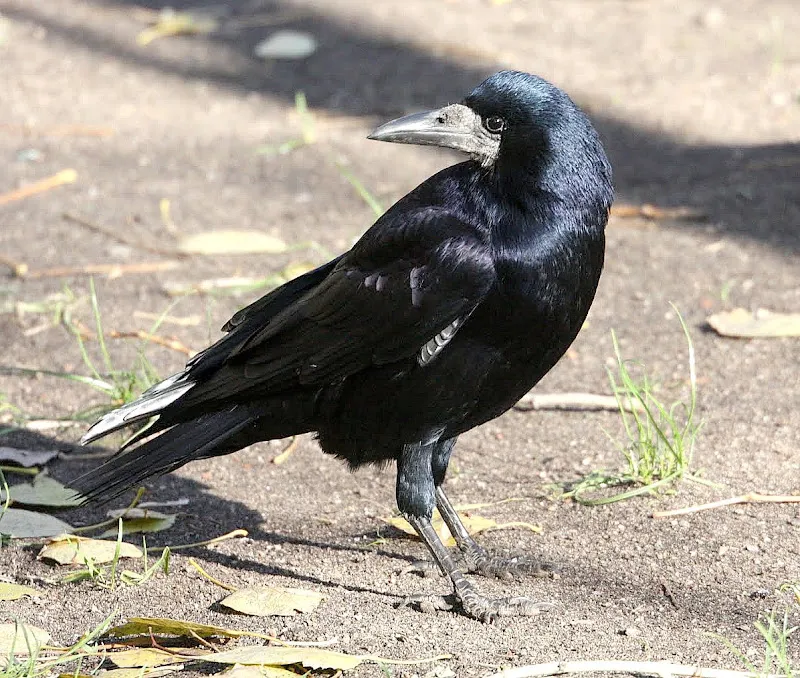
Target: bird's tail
(150, 403)
(206, 436)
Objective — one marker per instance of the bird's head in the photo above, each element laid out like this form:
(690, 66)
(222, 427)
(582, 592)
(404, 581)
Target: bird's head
(512, 121)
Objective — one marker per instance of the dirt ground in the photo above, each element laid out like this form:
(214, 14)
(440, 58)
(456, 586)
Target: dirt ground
(699, 105)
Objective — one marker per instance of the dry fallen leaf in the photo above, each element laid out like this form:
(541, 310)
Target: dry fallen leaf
(138, 520)
(275, 655)
(139, 672)
(231, 242)
(10, 591)
(170, 23)
(144, 656)
(21, 639)
(265, 601)
(741, 323)
(44, 491)
(27, 458)
(174, 627)
(22, 524)
(475, 524)
(241, 671)
(66, 549)
(286, 44)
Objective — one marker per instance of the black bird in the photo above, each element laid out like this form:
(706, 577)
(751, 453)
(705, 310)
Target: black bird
(447, 310)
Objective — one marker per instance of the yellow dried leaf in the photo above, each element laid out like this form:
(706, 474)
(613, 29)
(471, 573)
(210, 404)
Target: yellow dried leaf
(139, 520)
(175, 627)
(401, 524)
(15, 591)
(241, 671)
(21, 639)
(67, 549)
(275, 655)
(741, 323)
(137, 672)
(475, 524)
(264, 601)
(172, 23)
(144, 656)
(231, 242)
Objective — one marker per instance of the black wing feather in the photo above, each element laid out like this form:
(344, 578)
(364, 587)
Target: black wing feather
(432, 268)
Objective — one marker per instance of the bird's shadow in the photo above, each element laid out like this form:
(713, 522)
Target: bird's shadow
(206, 515)
(209, 515)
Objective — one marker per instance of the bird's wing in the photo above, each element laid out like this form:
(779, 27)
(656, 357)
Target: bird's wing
(404, 284)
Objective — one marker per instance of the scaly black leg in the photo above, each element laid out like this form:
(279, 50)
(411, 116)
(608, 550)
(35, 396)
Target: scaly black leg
(416, 496)
(473, 603)
(477, 559)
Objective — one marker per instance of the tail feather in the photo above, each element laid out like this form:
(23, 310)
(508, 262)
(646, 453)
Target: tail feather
(150, 403)
(202, 437)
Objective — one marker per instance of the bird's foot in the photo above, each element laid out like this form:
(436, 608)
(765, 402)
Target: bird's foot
(476, 605)
(424, 568)
(479, 561)
(427, 603)
(489, 610)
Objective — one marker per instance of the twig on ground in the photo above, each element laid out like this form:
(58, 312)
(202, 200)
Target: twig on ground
(573, 401)
(120, 236)
(111, 270)
(647, 211)
(186, 321)
(66, 176)
(749, 498)
(207, 542)
(210, 578)
(668, 593)
(287, 451)
(166, 342)
(18, 268)
(663, 669)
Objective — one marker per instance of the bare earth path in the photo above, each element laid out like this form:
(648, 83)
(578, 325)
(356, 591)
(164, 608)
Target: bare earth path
(699, 105)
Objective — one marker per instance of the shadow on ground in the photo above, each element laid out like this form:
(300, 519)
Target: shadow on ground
(209, 514)
(745, 191)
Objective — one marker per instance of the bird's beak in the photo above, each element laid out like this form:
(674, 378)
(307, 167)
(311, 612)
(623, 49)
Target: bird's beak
(455, 126)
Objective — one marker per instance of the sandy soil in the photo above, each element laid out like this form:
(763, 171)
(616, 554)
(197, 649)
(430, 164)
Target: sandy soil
(699, 105)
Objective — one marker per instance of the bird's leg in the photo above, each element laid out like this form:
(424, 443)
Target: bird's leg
(416, 496)
(473, 603)
(477, 559)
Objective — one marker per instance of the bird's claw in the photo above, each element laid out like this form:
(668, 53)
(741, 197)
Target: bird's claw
(478, 561)
(490, 610)
(424, 568)
(427, 603)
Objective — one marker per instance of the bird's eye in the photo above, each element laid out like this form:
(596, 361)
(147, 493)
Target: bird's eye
(494, 124)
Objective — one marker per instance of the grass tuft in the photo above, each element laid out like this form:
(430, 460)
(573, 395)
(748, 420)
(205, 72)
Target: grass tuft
(659, 439)
(34, 664)
(111, 576)
(775, 629)
(121, 386)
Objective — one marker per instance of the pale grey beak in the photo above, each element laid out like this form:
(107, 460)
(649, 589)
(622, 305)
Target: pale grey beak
(455, 126)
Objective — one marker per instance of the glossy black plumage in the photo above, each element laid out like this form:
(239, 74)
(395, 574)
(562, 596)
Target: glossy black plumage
(452, 306)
